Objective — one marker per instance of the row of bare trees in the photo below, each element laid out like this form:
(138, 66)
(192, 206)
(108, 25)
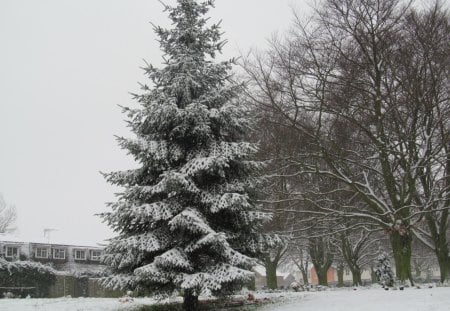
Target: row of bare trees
(354, 113)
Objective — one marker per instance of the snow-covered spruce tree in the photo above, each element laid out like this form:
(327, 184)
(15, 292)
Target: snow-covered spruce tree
(384, 271)
(187, 218)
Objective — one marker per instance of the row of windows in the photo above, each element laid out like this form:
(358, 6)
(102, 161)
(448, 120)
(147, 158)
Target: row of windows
(58, 253)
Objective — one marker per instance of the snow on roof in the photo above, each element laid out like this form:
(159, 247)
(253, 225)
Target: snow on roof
(17, 238)
(261, 270)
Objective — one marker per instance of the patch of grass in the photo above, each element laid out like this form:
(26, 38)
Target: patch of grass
(162, 307)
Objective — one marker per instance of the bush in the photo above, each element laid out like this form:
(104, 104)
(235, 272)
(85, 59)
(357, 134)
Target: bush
(23, 274)
(383, 270)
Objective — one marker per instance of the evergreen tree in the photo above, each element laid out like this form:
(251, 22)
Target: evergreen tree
(384, 271)
(187, 218)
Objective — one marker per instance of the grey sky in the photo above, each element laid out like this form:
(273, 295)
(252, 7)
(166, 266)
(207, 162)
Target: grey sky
(64, 68)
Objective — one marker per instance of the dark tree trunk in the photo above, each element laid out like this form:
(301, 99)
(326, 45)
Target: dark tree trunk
(356, 276)
(351, 256)
(322, 276)
(271, 274)
(321, 257)
(305, 277)
(439, 234)
(443, 260)
(340, 275)
(190, 302)
(271, 265)
(401, 246)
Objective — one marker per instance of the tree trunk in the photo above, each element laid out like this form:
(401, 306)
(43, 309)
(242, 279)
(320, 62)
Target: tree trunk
(271, 274)
(190, 301)
(321, 257)
(401, 246)
(443, 260)
(418, 269)
(322, 276)
(373, 275)
(356, 276)
(439, 235)
(340, 276)
(305, 277)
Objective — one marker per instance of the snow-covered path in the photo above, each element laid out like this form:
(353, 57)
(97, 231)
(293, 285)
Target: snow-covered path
(375, 299)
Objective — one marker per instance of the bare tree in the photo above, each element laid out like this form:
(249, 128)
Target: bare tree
(299, 256)
(8, 216)
(425, 74)
(358, 248)
(321, 253)
(423, 261)
(274, 145)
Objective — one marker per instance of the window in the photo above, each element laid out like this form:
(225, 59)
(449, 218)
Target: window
(80, 254)
(95, 255)
(12, 252)
(41, 252)
(59, 253)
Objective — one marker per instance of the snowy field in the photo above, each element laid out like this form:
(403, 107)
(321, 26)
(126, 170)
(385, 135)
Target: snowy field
(374, 299)
(72, 304)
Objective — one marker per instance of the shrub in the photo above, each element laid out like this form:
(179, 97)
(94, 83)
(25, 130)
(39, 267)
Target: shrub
(23, 274)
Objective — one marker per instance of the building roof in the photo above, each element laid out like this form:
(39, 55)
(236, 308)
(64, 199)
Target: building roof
(17, 238)
(261, 270)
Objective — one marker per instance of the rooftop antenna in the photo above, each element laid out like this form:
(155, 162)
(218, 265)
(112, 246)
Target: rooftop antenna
(47, 232)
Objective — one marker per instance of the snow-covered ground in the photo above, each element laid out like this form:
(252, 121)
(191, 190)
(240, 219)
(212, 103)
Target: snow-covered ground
(374, 299)
(72, 304)
(411, 299)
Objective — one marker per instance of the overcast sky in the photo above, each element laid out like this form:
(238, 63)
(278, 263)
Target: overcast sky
(64, 68)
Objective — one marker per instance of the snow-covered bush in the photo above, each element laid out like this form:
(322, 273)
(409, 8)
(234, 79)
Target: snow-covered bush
(35, 278)
(296, 286)
(383, 270)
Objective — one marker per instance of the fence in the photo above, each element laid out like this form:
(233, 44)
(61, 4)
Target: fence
(67, 285)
